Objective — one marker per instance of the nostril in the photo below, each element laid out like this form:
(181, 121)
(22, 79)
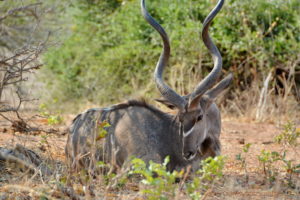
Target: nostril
(188, 155)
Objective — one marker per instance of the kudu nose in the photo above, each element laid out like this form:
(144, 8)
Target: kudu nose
(189, 155)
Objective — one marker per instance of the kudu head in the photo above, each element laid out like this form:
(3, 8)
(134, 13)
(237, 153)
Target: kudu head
(192, 107)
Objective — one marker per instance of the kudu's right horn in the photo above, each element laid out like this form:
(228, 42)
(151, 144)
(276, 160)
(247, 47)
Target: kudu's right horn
(212, 77)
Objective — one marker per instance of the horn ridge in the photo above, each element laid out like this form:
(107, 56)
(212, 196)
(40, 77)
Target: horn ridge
(212, 77)
(163, 88)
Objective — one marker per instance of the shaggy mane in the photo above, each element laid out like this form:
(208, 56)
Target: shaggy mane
(134, 102)
(130, 103)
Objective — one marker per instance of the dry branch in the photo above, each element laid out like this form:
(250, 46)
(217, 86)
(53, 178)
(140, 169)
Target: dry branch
(18, 61)
(263, 97)
(29, 7)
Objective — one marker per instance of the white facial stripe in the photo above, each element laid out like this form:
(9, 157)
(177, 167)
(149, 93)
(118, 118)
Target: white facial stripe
(205, 133)
(185, 134)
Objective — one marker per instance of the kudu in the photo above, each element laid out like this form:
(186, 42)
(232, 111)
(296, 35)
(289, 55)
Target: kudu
(141, 130)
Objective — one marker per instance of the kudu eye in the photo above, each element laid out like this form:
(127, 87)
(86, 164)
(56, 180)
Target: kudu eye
(199, 118)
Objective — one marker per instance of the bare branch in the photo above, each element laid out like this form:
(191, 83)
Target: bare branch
(19, 9)
(20, 58)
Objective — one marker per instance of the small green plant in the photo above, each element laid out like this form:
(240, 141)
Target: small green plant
(97, 148)
(160, 181)
(52, 119)
(211, 170)
(288, 138)
(102, 132)
(268, 159)
(241, 157)
(289, 135)
(44, 139)
(290, 168)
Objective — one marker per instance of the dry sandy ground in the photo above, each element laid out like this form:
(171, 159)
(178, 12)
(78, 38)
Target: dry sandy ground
(235, 134)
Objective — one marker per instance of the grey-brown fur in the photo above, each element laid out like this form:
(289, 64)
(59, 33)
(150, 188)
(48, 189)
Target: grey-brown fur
(138, 130)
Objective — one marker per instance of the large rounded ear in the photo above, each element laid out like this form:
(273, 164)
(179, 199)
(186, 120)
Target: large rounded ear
(166, 103)
(194, 103)
(220, 87)
(205, 102)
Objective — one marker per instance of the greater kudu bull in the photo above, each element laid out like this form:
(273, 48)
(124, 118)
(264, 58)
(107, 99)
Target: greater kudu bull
(141, 130)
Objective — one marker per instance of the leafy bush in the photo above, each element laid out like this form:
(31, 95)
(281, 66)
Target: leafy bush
(211, 171)
(111, 51)
(270, 160)
(161, 184)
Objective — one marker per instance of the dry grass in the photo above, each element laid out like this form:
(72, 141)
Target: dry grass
(23, 184)
(252, 116)
(275, 108)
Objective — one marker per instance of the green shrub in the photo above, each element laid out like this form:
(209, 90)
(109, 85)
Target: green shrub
(211, 170)
(159, 183)
(111, 51)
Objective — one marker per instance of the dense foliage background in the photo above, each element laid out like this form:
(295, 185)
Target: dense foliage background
(108, 51)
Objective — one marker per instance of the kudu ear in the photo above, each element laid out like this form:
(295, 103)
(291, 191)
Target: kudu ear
(208, 98)
(166, 103)
(204, 101)
(194, 103)
(221, 86)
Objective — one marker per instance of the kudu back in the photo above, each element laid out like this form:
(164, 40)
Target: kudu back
(141, 130)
